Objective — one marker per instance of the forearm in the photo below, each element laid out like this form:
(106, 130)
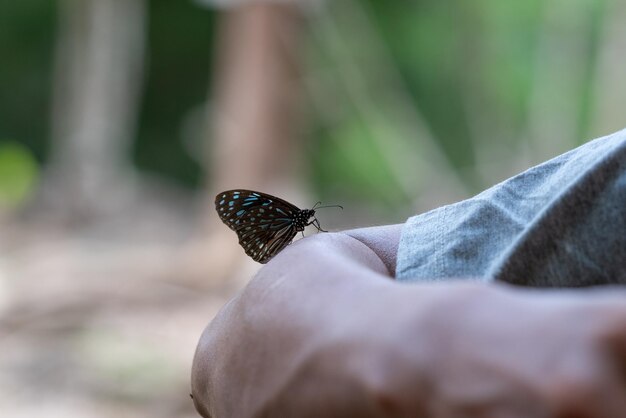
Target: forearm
(314, 289)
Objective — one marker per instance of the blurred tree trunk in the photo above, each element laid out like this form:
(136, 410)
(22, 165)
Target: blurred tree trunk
(255, 114)
(97, 81)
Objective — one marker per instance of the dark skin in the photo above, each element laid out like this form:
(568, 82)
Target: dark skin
(323, 330)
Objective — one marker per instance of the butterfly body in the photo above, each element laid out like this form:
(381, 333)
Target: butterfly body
(265, 224)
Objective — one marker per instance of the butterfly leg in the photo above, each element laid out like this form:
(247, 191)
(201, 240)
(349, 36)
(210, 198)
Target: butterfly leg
(316, 224)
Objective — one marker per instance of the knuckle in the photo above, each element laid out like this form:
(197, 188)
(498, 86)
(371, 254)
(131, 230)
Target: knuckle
(610, 333)
(577, 395)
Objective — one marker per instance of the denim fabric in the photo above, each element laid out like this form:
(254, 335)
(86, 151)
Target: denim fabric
(561, 223)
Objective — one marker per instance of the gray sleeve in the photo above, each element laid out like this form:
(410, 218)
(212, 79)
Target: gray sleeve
(561, 223)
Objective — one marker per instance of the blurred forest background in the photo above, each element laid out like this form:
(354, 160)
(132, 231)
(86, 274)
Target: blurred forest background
(121, 119)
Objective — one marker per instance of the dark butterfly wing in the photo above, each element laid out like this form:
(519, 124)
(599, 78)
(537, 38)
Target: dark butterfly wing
(235, 207)
(263, 223)
(265, 239)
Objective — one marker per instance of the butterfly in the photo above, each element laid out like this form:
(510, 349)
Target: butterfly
(265, 224)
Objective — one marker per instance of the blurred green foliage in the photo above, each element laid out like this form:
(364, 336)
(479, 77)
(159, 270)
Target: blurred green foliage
(26, 49)
(349, 153)
(179, 57)
(18, 174)
(475, 72)
(470, 69)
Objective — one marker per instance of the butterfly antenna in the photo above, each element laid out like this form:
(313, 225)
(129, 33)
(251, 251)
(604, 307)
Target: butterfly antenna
(328, 206)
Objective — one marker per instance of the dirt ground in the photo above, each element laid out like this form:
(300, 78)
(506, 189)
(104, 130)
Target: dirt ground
(103, 320)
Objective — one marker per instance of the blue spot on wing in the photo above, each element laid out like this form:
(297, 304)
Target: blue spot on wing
(241, 212)
(250, 200)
